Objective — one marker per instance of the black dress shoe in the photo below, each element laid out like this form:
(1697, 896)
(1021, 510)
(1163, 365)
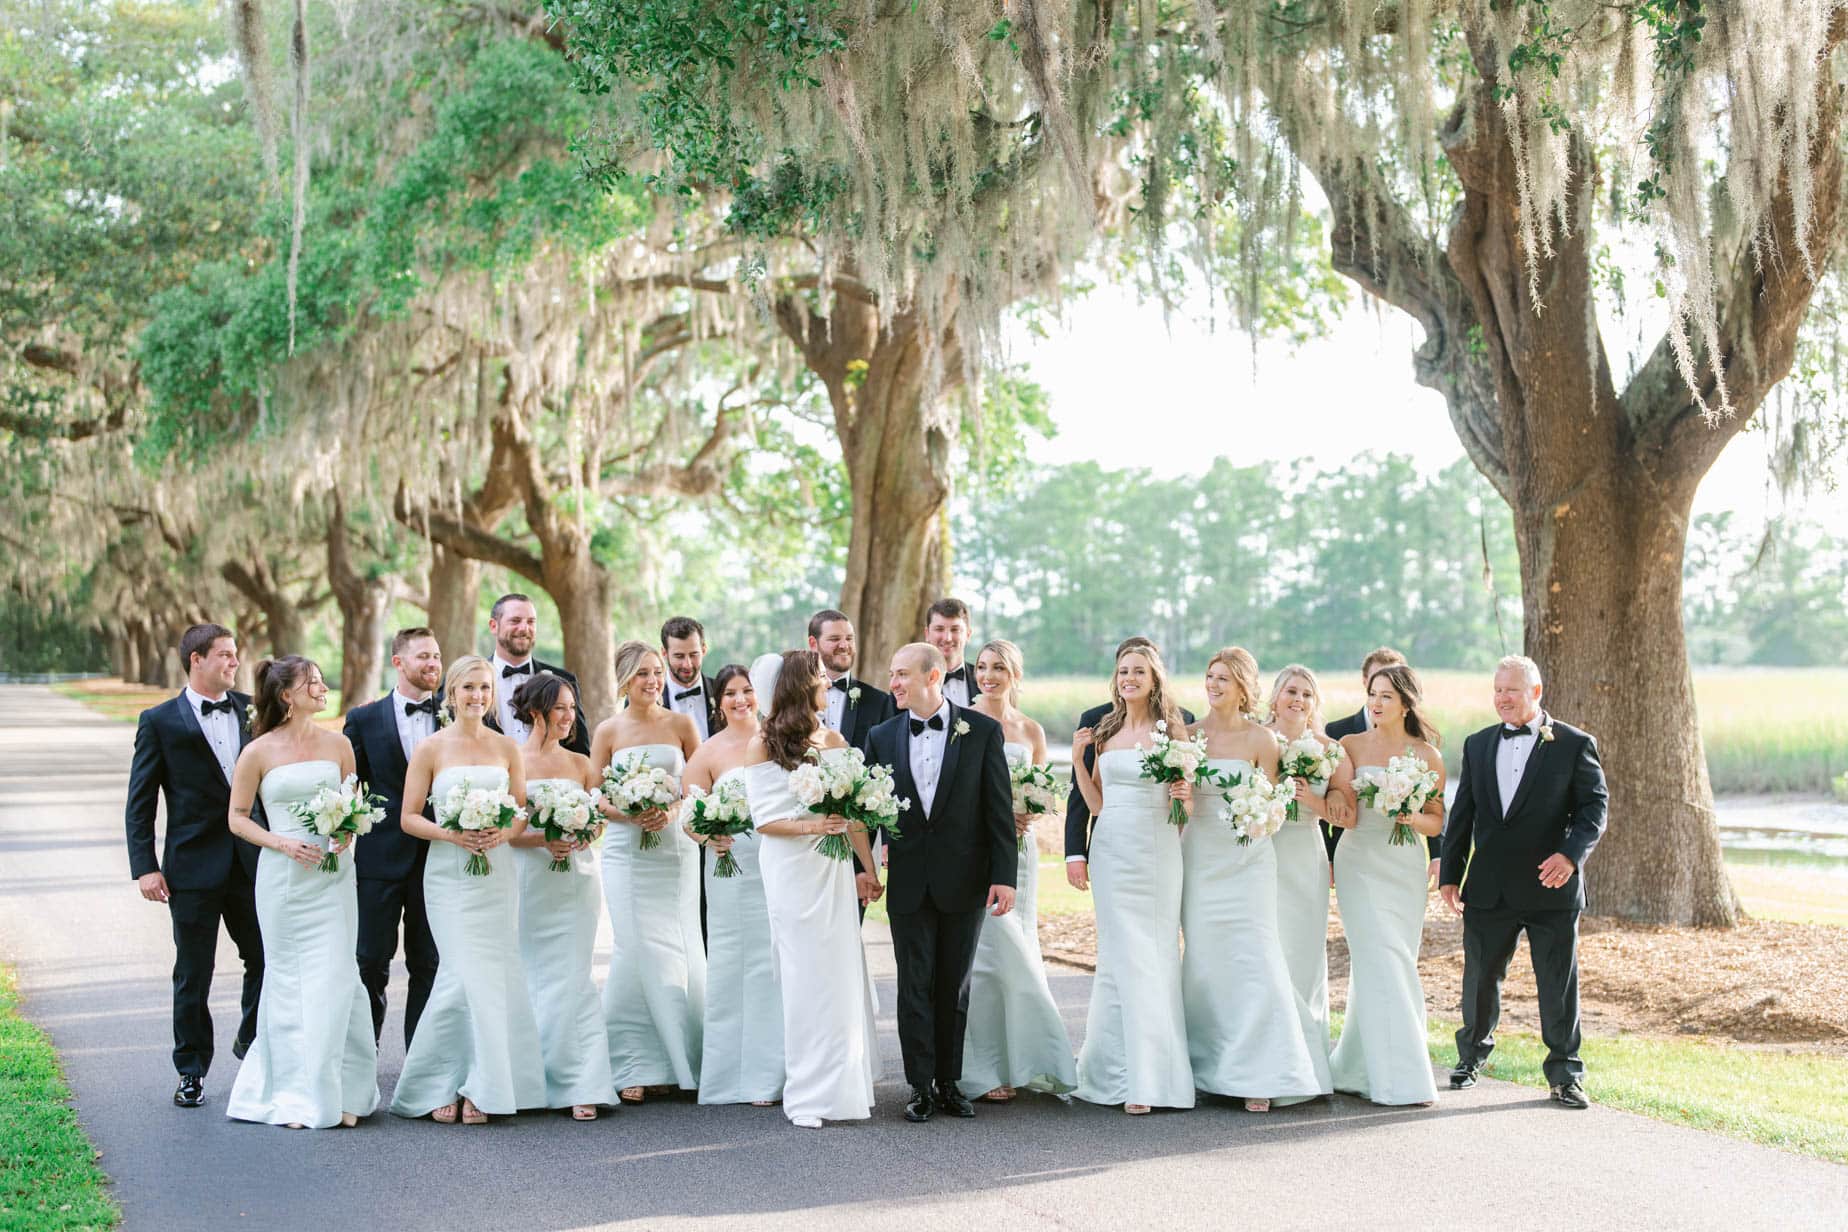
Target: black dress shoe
(239, 1048)
(919, 1106)
(1464, 1076)
(953, 1101)
(190, 1093)
(1572, 1095)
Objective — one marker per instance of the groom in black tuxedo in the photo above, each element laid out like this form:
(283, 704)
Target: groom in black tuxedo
(185, 749)
(955, 859)
(388, 867)
(513, 622)
(1531, 804)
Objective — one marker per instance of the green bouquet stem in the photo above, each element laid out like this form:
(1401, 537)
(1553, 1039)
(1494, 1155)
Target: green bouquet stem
(834, 846)
(725, 866)
(478, 865)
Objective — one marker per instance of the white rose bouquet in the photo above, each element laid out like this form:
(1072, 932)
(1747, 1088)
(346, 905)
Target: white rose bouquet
(566, 814)
(635, 788)
(1255, 806)
(1036, 791)
(1401, 789)
(1306, 758)
(1174, 761)
(846, 786)
(476, 808)
(725, 810)
(340, 815)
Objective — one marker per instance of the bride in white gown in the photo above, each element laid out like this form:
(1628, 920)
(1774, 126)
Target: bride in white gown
(831, 1053)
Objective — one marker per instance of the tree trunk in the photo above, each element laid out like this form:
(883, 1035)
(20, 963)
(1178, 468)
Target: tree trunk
(581, 590)
(285, 625)
(124, 654)
(898, 456)
(365, 605)
(455, 597)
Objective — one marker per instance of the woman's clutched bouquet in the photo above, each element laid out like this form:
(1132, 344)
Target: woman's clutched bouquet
(340, 814)
(845, 786)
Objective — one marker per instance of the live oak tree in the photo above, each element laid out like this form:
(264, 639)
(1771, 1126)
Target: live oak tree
(1474, 156)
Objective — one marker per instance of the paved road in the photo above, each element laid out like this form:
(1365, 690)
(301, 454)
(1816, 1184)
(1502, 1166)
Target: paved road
(94, 963)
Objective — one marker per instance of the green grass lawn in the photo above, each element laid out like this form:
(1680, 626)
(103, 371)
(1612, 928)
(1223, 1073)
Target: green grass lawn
(48, 1173)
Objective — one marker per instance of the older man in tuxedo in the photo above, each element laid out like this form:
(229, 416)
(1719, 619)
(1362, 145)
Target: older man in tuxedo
(1530, 807)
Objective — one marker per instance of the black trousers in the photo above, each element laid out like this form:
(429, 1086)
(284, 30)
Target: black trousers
(196, 915)
(935, 951)
(382, 903)
(1489, 938)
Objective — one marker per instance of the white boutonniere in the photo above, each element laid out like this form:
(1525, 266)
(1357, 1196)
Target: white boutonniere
(962, 728)
(444, 717)
(853, 696)
(250, 714)
(1546, 733)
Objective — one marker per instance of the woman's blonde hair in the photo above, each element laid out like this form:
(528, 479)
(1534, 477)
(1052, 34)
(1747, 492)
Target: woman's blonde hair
(454, 676)
(629, 658)
(1159, 705)
(1284, 677)
(1010, 657)
(1244, 669)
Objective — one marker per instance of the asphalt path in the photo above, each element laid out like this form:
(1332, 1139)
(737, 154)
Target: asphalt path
(94, 962)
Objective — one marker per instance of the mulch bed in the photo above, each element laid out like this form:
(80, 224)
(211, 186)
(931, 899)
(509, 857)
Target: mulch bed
(1765, 983)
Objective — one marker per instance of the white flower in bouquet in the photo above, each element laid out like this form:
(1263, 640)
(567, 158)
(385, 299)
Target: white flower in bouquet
(1168, 760)
(1308, 759)
(340, 814)
(1255, 806)
(844, 785)
(466, 808)
(565, 813)
(635, 788)
(1403, 788)
(1036, 791)
(726, 810)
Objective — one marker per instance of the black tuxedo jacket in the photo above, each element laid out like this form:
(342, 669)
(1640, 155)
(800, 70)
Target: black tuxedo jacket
(1077, 813)
(715, 721)
(1353, 725)
(949, 856)
(580, 734)
(859, 718)
(173, 760)
(387, 853)
(1560, 807)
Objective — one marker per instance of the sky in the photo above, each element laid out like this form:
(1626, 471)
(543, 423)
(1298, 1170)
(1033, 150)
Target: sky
(1188, 394)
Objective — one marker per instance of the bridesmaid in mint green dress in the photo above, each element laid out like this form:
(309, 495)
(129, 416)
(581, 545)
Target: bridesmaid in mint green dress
(474, 1052)
(654, 997)
(559, 910)
(313, 1064)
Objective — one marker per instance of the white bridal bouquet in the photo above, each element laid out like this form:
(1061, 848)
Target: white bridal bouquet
(1036, 791)
(565, 813)
(476, 808)
(1398, 791)
(1306, 758)
(724, 810)
(846, 786)
(340, 813)
(1255, 807)
(1174, 761)
(635, 787)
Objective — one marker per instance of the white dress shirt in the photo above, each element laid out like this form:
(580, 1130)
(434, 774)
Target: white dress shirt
(693, 707)
(1511, 756)
(413, 729)
(836, 713)
(220, 728)
(927, 748)
(503, 697)
(959, 688)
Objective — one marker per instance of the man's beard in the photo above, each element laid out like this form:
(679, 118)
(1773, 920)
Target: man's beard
(511, 653)
(685, 682)
(841, 663)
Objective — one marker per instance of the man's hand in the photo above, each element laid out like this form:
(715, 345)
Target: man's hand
(153, 887)
(1078, 874)
(868, 887)
(1000, 899)
(1452, 896)
(1556, 870)
(1431, 872)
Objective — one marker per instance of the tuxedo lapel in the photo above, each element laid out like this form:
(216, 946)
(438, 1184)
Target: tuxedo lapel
(1486, 770)
(1531, 770)
(386, 728)
(901, 773)
(952, 753)
(189, 723)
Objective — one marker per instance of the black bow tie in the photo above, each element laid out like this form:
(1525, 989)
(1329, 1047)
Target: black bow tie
(525, 669)
(427, 705)
(961, 673)
(683, 695)
(1509, 733)
(207, 709)
(841, 684)
(935, 723)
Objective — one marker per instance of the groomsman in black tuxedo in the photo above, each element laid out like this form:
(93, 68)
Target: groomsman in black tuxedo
(1530, 807)
(689, 690)
(388, 867)
(514, 623)
(185, 749)
(854, 706)
(954, 859)
(1359, 722)
(948, 630)
(1077, 815)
